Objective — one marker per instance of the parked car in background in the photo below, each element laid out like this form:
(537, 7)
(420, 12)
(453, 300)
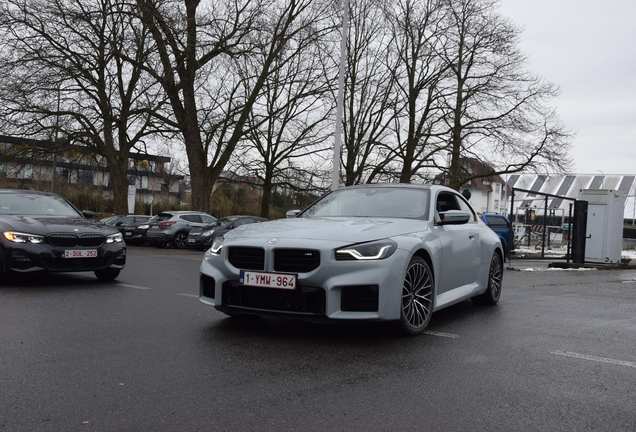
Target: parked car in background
(202, 238)
(173, 227)
(502, 226)
(43, 232)
(110, 220)
(135, 233)
(368, 252)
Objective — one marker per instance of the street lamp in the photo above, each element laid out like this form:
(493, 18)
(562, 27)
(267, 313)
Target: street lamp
(335, 174)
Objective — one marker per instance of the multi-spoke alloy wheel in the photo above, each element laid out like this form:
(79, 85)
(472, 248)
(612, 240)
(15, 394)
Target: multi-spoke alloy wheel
(417, 297)
(180, 240)
(495, 278)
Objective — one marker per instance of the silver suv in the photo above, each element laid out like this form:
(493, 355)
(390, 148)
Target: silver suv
(174, 226)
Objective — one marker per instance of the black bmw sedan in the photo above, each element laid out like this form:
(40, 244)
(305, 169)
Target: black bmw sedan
(44, 232)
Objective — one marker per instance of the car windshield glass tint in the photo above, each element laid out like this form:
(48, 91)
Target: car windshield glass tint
(495, 221)
(223, 222)
(163, 217)
(36, 205)
(372, 202)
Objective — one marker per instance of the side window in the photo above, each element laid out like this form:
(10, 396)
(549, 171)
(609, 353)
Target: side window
(207, 219)
(450, 201)
(446, 201)
(192, 218)
(464, 206)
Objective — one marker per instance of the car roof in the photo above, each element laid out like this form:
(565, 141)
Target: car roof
(184, 212)
(391, 185)
(27, 192)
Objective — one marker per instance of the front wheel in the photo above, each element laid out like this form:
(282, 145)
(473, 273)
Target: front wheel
(495, 278)
(416, 305)
(107, 274)
(180, 240)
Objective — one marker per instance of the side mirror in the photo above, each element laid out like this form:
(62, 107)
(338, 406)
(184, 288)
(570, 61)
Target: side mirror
(88, 214)
(292, 214)
(454, 217)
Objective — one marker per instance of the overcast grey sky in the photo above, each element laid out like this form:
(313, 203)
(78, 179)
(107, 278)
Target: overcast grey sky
(588, 48)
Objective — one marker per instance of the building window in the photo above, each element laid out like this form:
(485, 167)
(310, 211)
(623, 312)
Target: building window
(497, 187)
(496, 204)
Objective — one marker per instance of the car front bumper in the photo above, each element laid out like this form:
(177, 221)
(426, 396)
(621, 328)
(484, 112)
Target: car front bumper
(337, 290)
(44, 257)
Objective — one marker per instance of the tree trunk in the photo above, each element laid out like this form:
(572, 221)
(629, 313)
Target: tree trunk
(119, 181)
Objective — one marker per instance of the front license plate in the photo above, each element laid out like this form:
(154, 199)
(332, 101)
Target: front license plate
(128, 233)
(268, 280)
(84, 253)
(191, 240)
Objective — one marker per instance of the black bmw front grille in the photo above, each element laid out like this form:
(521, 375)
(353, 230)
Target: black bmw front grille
(247, 258)
(75, 240)
(296, 260)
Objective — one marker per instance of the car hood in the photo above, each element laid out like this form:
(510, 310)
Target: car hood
(346, 230)
(45, 225)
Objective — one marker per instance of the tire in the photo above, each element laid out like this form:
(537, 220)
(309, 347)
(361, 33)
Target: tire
(416, 303)
(495, 278)
(5, 274)
(180, 240)
(107, 274)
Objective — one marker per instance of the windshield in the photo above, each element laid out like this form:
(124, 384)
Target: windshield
(372, 202)
(36, 205)
(223, 222)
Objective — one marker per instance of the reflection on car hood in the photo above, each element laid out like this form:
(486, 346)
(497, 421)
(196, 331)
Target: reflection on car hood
(348, 230)
(44, 225)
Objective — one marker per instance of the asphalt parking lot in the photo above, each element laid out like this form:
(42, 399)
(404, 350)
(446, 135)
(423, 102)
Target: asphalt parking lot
(143, 354)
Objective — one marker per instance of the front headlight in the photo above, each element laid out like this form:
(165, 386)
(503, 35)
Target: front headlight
(217, 245)
(18, 237)
(146, 226)
(207, 233)
(114, 238)
(375, 250)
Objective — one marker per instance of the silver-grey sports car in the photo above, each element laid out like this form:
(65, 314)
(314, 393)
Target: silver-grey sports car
(390, 252)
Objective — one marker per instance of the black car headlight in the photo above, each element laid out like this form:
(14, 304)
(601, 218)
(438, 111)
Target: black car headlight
(143, 227)
(375, 250)
(207, 233)
(114, 238)
(217, 245)
(18, 237)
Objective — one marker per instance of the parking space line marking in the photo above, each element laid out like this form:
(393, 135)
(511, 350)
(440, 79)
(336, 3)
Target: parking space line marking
(598, 359)
(134, 286)
(189, 295)
(448, 335)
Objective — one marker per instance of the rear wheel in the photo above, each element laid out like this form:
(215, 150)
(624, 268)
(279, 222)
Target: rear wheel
(107, 274)
(180, 240)
(416, 306)
(495, 278)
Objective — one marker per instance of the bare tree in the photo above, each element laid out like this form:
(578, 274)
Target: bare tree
(291, 121)
(369, 95)
(65, 76)
(197, 45)
(415, 29)
(496, 112)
